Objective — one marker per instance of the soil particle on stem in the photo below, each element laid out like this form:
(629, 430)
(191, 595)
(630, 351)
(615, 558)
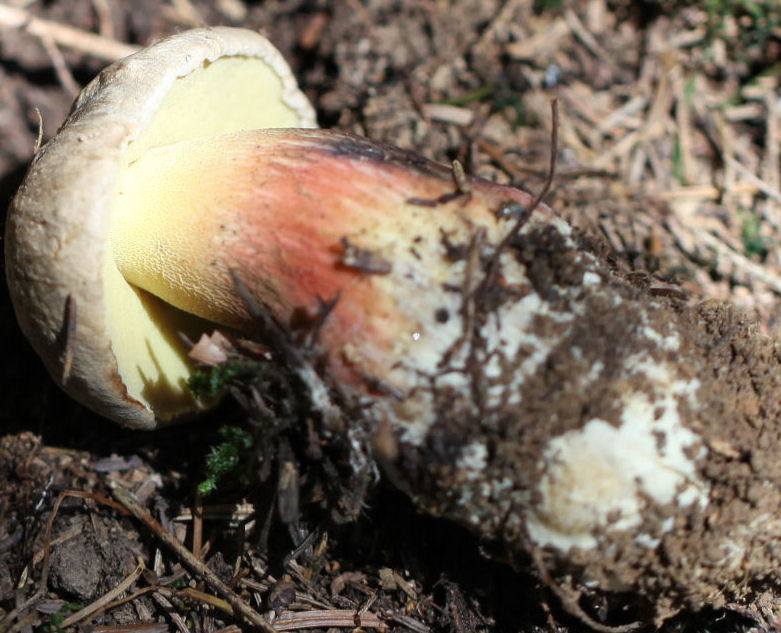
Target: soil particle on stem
(521, 470)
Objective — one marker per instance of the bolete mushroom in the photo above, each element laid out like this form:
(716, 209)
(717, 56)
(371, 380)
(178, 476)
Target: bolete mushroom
(500, 366)
(118, 349)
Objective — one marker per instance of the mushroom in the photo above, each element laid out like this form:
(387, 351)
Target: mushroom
(114, 348)
(495, 361)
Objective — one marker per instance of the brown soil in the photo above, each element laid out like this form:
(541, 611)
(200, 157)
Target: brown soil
(668, 150)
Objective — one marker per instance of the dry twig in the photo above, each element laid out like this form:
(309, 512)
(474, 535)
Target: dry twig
(328, 618)
(64, 75)
(107, 598)
(195, 565)
(63, 35)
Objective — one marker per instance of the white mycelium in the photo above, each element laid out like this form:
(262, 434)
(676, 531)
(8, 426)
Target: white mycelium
(509, 334)
(600, 477)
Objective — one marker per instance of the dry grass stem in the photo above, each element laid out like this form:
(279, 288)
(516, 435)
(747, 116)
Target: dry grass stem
(105, 22)
(195, 565)
(585, 36)
(69, 84)
(105, 599)
(185, 13)
(63, 35)
(137, 627)
(744, 266)
(754, 183)
(171, 611)
(206, 598)
(328, 618)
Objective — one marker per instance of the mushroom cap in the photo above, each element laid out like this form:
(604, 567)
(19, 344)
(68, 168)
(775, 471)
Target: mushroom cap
(111, 346)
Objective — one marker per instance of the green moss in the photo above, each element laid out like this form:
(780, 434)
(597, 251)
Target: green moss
(757, 19)
(754, 243)
(54, 625)
(225, 458)
(211, 381)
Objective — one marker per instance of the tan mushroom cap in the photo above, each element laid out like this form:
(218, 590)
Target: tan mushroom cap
(119, 347)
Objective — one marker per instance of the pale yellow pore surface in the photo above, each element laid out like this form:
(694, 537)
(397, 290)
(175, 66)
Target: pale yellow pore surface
(163, 225)
(229, 94)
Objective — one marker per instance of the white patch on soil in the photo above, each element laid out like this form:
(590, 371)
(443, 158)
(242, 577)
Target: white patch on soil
(591, 279)
(670, 343)
(473, 460)
(600, 477)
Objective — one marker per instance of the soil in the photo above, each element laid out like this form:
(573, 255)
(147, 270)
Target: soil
(668, 151)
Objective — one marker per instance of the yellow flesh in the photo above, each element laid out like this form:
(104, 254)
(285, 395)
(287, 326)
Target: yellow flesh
(232, 93)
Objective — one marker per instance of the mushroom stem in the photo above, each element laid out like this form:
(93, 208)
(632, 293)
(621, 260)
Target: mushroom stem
(310, 216)
(522, 386)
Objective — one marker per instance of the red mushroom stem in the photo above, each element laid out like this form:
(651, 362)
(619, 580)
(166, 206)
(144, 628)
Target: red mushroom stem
(524, 387)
